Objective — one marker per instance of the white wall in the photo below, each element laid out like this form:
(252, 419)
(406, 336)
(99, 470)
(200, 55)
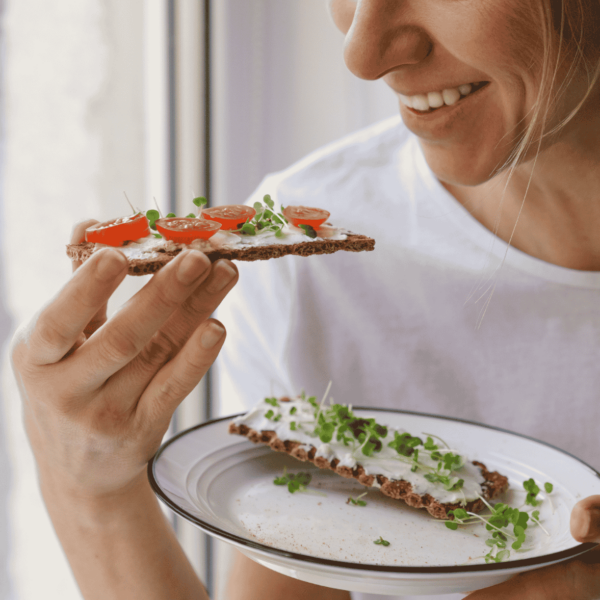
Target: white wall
(281, 89)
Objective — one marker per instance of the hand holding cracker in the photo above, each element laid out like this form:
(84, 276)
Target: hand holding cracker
(98, 395)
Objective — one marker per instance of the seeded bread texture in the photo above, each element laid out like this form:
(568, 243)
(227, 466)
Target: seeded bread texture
(494, 485)
(145, 266)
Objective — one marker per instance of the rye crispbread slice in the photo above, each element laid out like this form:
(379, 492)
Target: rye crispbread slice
(494, 485)
(145, 266)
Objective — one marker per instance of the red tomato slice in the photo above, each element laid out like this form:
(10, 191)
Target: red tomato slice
(185, 231)
(117, 231)
(230, 217)
(304, 215)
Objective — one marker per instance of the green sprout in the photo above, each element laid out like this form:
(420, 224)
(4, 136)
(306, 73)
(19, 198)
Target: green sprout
(532, 490)
(295, 483)
(308, 230)
(357, 501)
(381, 542)
(265, 219)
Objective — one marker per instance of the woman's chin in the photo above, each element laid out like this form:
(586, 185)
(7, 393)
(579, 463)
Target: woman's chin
(456, 166)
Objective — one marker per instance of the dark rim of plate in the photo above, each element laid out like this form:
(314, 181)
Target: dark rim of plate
(244, 542)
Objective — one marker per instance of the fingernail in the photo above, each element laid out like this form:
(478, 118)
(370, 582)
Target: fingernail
(111, 264)
(191, 267)
(223, 273)
(211, 336)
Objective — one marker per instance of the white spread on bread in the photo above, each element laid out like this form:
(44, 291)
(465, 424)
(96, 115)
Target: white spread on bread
(150, 247)
(387, 462)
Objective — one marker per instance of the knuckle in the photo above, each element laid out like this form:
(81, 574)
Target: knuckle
(118, 344)
(171, 390)
(18, 344)
(158, 351)
(194, 362)
(166, 297)
(50, 334)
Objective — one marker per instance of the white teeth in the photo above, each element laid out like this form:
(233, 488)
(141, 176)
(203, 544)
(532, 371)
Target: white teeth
(424, 102)
(420, 102)
(451, 96)
(435, 99)
(406, 100)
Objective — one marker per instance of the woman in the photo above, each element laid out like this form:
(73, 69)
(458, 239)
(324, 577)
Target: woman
(387, 327)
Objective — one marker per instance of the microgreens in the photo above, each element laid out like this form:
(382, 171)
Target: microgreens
(270, 414)
(272, 401)
(152, 216)
(200, 201)
(381, 542)
(366, 438)
(357, 501)
(265, 219)
(450, 484)
(532, 490)
(499, 524)
(308, 230)
(295, 483)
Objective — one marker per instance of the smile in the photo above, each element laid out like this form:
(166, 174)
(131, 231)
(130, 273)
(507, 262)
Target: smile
(427, 103)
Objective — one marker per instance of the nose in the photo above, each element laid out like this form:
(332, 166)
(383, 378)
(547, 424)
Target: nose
(384, 36)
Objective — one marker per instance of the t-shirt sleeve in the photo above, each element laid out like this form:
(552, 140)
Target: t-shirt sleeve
(257, 315)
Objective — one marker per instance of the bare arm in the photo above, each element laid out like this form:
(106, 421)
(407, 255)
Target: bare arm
(122, 546)
(250, 581)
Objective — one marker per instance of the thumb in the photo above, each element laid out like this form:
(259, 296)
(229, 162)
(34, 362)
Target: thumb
(585, 520)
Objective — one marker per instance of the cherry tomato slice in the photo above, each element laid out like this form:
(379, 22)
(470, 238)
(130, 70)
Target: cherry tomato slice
(304, 215)
(230, 217)
(185, 231)
(117, 231)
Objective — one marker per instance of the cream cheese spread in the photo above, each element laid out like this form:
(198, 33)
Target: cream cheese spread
(296, 421)
(151, 247)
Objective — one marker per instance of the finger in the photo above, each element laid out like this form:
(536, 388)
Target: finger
(181, 375)
(573, 579)
(60, 324)
(121, 339)
(171, 337)
(585, 520)
(78, 236)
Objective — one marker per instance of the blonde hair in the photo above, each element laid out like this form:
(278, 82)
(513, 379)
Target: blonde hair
(570, 38)
(570, 34)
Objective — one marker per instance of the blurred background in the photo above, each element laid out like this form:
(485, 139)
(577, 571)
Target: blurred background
(157, 98)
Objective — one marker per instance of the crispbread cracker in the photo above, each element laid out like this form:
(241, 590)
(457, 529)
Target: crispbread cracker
(145, 266)
(494, 485)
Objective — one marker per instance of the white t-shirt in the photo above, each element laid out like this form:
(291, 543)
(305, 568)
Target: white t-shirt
(403, 326)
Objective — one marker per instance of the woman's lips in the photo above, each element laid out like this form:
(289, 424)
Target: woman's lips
(425, 103)
(436, 124)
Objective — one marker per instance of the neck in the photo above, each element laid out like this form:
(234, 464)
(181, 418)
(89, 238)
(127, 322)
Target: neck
(548, 208)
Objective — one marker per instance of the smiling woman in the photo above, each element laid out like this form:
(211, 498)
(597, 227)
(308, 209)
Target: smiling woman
(481, 301)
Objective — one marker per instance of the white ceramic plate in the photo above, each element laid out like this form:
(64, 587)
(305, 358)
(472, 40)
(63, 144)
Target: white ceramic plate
(224, 484)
